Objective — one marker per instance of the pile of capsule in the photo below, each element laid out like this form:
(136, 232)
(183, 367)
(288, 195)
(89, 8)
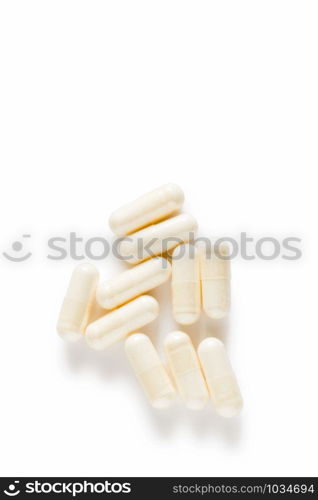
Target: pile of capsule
(199, 276)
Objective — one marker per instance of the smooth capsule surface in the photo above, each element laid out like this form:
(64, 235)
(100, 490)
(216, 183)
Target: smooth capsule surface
(157, 239)
(117, 324)
(133, 282)
(78, 302)
(150, 371)
(215, 281)
(149, 208)
(186, 370)
(220, 378)
(186, 284)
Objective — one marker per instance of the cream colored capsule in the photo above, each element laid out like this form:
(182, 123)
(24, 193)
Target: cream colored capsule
(149, 208)
(186, 370)
(133, 282)
(222, 384)
(215, 281)
(78, 302)
(157, 239)
(149, 370)
(115, 325)
(186, 285)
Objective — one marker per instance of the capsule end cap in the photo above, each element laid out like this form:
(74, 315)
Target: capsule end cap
(186, 318)
(216, 313)
(69, 333)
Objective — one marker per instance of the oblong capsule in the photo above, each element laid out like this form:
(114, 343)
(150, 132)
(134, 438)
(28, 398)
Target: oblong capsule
(150, 371)
(157, 239)
(186, 284)
(133, 282)
(78, 302)
(147, 209)
(115, 325)
(186, 370)
(215, 281)
(220, 378)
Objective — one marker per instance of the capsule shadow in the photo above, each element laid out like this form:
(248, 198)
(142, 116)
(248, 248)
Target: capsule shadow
(106, 364)
(203, 424)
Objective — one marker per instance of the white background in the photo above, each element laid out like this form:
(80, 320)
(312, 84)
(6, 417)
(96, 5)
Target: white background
(101, 101)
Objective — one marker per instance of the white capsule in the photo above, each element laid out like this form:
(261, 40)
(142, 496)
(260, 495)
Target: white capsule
(222, 384)
(215, 281)
(149, 208)
(186, 285)
(133, 282)
(78, 302)
(150, 371)
(157, 239)
(117, 324)
(186, 370)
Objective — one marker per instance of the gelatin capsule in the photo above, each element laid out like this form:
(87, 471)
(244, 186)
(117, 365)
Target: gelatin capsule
(186, 370)
(78, 302)
(133, 282)
(157, 239)
(220, 378)
(149, 370)
(117, 324)
(215, 281)
(186, 284)
(148, 209)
